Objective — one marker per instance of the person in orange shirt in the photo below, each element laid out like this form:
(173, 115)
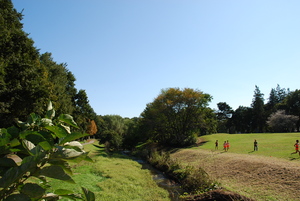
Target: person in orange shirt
(296, 145)
(228, 145)
(225, 146)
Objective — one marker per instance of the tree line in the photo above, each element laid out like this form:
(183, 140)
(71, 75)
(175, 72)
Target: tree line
(29, 79)
(176, 117)
(281, 113)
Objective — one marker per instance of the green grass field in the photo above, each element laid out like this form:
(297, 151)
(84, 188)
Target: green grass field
(115, 177)
(279, 145)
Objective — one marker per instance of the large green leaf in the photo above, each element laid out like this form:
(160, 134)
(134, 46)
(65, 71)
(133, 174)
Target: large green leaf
(28, 145)
(50, 111)
(59, 131)
(73, 136)
(88, 195)
(24, 134)
(37, 155)
(63, 192)
(33, 118)
(64, 164)
(68, 119)
(56, 172)
(33, 190)
(15, 173)
(7, 162)
(45, 145)
(4, 137)
(72, 197)
(35, 138)
(18, 197)
(81, 157)
(15, 142)
(13, 131)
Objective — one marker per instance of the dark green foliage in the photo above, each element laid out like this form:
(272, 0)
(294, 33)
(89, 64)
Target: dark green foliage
(223, 117)
(40, 143)
(176, 117)
(114, 130)
(62, 86)
(83, 112)
(241, 119)
(28, 80)
(23, 81)
(291, 105)
(132, 136)
(258, 112)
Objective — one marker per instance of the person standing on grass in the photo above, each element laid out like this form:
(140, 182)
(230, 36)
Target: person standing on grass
(255, 145)
(217, 145)
(296, 145)
(225, 146)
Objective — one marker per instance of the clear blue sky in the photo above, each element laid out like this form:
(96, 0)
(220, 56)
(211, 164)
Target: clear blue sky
(123, 52)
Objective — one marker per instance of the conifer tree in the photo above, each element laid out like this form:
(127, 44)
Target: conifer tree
(258, 112)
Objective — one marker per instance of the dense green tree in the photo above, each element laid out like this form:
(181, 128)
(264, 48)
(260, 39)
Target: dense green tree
(242, 119)
(113, 132)
(223, 114)
(83, 112)
(258, 112)
(23, 80)
(62, 86)
(176, 116)
(132, 136)
(210, 123)
(277, 95)
(29, 80)
(292, 105)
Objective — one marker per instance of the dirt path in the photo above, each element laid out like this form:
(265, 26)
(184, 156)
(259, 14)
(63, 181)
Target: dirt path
(257, 177)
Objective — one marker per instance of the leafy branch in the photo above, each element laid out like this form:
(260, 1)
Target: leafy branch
(45, 145)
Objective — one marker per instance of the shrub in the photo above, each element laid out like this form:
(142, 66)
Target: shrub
(42, 144)
(192, 180)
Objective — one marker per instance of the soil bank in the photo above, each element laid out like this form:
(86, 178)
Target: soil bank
(256, 177)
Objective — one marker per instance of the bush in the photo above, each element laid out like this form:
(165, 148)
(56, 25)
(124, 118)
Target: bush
(42, 144)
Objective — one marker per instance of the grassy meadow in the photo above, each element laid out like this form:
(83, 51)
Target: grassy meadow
(117, 177)
(114, 177)
(279, 145)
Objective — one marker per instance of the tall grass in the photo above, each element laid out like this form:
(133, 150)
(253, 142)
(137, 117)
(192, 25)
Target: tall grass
(279, 145)
(114, 177)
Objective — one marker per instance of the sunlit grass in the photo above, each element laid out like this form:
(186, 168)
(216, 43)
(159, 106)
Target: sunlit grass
(113, 177)
(279, 145)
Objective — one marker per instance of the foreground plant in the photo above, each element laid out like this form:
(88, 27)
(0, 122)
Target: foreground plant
(44, 146)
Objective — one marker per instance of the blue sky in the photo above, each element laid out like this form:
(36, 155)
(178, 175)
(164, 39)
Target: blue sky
(123, 52)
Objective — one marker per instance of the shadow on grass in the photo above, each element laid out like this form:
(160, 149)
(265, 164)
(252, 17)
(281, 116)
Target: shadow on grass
(292, 158)
(101, 151)
(175, 149)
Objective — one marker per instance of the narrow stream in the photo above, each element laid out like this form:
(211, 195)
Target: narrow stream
(163, 181)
